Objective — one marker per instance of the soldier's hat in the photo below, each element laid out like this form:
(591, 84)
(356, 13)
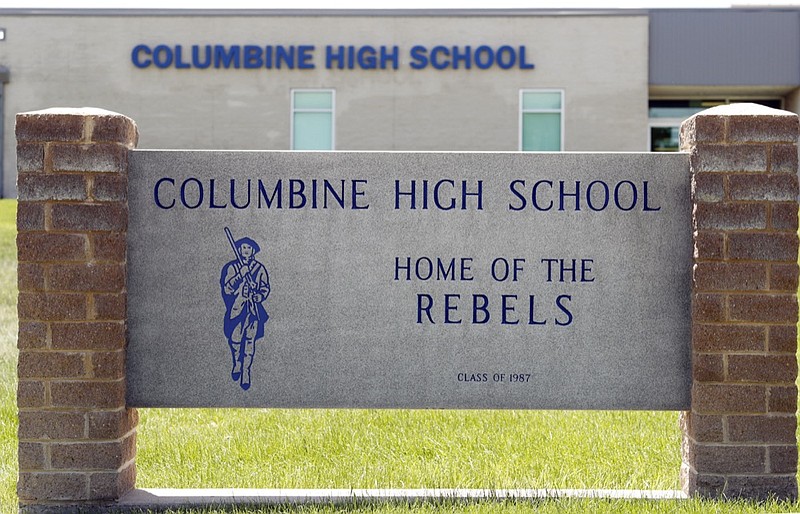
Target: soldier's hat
(248, 241)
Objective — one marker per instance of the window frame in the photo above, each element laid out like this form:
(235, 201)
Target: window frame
(523, 111)
(331, 111)
(669, 122)
(661, 123)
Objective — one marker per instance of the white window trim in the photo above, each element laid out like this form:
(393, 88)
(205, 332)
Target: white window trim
(332, 112)
(524, 111)
(660, 123)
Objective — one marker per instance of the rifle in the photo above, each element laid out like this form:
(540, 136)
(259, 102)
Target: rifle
(250, 282)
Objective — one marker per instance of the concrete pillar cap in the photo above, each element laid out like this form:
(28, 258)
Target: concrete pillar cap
(72, 111)
(744, 109)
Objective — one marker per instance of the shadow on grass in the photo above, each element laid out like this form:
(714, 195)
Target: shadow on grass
(549, 505)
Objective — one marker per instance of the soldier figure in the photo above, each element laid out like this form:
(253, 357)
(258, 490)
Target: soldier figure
(245, 287)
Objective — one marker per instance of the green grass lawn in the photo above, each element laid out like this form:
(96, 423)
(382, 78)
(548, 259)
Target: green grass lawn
(8, 355)
(411, 449)
(276, 448)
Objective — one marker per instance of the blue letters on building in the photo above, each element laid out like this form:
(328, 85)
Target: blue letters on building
(334, 57)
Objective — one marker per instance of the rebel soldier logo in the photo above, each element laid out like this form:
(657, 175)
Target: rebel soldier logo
(245, 287)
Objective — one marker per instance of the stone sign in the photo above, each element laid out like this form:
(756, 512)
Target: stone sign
(409, 280)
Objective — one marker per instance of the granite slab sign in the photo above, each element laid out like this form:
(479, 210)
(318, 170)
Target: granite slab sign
(409, 280)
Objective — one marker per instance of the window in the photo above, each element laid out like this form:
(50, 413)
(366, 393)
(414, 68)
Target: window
(541, 120)
(312, 119)
(666, 116)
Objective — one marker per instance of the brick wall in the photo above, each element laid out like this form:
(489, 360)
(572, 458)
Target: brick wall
(739, 437)
(76, 437)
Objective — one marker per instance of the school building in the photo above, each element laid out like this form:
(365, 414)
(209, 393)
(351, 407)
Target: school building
(398, 80)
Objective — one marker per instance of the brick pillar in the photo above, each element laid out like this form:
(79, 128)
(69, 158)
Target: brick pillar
(739, 437)
(76, 437)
